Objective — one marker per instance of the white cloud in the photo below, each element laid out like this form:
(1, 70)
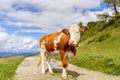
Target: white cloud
(2, 29)
(53, 16)
(109, 10)
(15, 43)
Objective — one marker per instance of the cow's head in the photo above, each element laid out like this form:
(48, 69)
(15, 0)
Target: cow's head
(75, 32)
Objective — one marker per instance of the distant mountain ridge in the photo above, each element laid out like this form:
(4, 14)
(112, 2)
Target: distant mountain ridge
(8, 54)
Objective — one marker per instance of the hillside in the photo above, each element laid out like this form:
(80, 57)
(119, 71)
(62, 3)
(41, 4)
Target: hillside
(99, 48)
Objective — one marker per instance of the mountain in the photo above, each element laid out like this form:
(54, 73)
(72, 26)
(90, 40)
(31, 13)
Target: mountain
(8, 54)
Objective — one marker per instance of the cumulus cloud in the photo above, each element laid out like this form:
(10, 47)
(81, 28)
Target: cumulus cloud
(2, 29)
(49, 15)
(17, 43)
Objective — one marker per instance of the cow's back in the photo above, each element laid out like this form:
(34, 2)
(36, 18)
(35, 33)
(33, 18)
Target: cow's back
(54, 41)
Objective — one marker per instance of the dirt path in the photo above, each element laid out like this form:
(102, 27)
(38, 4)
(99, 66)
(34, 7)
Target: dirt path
(28, 70)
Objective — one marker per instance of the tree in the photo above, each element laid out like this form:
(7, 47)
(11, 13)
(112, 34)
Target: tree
(80, 24)
(114, 4)
(103, 17)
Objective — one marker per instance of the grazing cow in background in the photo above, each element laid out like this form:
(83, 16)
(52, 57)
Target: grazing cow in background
(64, 43)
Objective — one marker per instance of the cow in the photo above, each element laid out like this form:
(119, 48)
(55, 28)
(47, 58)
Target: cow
(63, 43)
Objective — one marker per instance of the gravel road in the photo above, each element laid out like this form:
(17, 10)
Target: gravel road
(28, 70)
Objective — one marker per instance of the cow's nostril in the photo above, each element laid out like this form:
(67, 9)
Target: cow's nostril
(71, 43)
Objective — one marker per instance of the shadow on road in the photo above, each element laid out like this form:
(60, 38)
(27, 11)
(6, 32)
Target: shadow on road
(70, 72)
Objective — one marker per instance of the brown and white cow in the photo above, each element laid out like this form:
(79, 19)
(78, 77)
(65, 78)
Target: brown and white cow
(64, 43)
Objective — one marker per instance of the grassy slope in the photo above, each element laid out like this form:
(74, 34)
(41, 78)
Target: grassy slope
(8, 67)
(100, 49)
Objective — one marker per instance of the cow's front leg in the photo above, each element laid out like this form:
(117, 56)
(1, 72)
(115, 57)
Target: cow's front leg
(49, 65)
(64, 72)
(64, 64)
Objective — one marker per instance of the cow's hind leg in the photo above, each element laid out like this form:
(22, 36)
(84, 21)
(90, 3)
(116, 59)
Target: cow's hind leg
(49, 65)
(43, 60)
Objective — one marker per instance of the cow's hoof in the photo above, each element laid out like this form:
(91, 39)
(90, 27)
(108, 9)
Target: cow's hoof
(51, 73)
(65, 78)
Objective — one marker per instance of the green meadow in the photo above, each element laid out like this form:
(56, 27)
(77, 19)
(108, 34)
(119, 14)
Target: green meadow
(8, 67)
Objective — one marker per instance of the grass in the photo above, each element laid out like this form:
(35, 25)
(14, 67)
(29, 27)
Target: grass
(101, 50)
(8, 67)
(104, 61)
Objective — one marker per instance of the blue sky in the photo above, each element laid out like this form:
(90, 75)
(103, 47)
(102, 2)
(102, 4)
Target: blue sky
(25, 21)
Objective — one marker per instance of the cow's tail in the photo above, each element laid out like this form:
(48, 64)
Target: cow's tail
(39, 60)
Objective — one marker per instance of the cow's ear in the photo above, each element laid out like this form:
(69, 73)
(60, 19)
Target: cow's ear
(66, 31)
(86, 28)
(83, 29)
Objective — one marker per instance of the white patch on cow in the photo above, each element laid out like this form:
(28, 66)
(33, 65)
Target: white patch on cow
(49, 65)
(74, 33)
(64, 73)
(57, 40)
(43, 60)
(42, 52)
(43, 45)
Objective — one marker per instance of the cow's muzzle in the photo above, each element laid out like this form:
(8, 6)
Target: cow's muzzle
(72, 43)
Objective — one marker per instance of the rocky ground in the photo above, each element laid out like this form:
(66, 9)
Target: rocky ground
(28, 70)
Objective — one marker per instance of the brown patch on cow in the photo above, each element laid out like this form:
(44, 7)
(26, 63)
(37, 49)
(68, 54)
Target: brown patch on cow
(49, 40)
(73, 49)
(66, 31)
(63, 59)
(84, 28)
